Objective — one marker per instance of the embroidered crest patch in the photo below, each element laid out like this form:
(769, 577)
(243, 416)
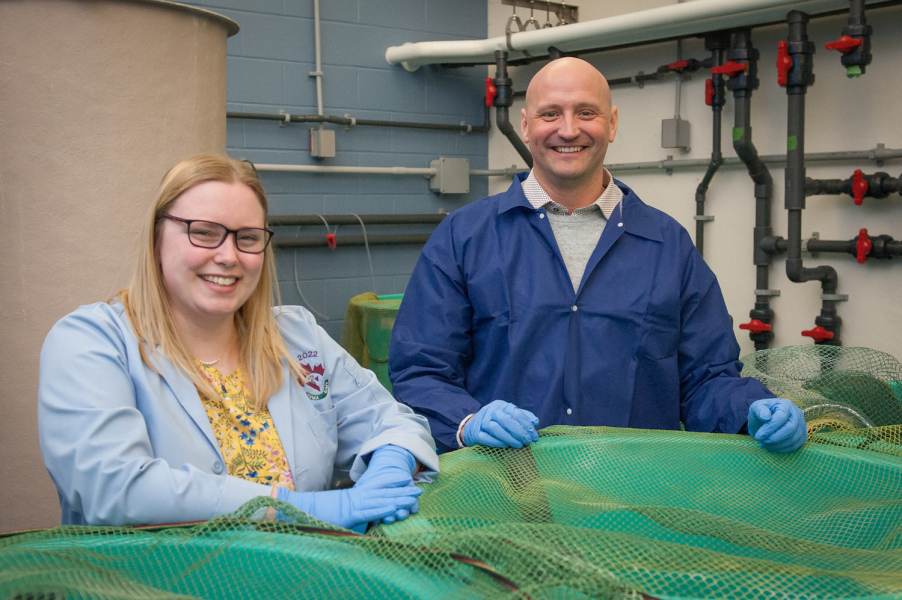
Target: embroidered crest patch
(317, 385)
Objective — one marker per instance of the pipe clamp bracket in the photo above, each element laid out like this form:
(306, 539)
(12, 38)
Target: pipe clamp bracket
(773, 293)
(835, 297)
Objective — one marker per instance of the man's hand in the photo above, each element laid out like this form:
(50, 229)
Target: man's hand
(777, 424)
(501, 424)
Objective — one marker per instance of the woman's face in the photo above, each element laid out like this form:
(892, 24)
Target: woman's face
(207, 285)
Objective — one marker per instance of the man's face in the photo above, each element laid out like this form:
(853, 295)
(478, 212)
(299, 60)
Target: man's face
(568, 123)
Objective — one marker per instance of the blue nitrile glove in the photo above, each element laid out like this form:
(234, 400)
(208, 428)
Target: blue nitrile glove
(390, 467)
(500, 424)
(353, 506)
(778, 424)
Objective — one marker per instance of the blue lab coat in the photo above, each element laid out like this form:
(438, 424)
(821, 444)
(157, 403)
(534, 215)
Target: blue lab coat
(127, 445)
(490, 312)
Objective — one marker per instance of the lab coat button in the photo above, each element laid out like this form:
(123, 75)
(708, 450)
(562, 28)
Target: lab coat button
(217, 467)
(569, 411)
(541, 215)
(574, 308)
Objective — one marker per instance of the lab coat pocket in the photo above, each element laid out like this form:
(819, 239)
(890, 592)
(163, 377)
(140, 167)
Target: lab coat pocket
(660, 336)
(323, 426)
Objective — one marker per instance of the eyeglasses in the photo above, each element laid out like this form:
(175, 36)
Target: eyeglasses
(207, 234)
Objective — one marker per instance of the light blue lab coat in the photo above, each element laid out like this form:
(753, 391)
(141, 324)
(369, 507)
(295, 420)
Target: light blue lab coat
(127, 445)
(490, 313)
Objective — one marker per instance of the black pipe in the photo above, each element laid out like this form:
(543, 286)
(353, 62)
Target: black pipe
(742, 85)
(717, 43)
(883, 247)
(798, 79)
(350, 240)
(349, 121)
(504, 99)
(879, 185)
(313, 220)
(859, 58)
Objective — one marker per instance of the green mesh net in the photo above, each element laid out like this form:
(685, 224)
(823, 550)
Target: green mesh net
(583, 513)
(589, 512)
(837, 388)
(366, 331)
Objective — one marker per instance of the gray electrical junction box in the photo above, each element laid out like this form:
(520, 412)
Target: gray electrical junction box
(452, 175)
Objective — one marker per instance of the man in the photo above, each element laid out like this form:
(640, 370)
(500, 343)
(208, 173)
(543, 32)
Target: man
(567, 300)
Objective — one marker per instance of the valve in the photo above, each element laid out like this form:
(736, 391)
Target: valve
(845, 44)
(755, 326)
(709, 91)
(490, 91)
(678, 66)
(863, 245)
(859, 187)
(731, 68)
(819, 334)
(784, 63)
(330, 240)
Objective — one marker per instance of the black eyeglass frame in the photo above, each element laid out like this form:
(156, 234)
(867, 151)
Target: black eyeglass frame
(269, 233)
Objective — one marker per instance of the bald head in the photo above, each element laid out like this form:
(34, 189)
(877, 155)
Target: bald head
(558, 72)
(568, 122)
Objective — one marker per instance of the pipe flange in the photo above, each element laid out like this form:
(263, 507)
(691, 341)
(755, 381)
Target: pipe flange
(835, 297)
(772, 293)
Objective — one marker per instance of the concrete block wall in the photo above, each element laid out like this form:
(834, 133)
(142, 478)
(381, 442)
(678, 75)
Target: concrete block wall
(268, 65)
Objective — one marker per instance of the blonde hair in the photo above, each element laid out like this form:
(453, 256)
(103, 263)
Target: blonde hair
(146, 299)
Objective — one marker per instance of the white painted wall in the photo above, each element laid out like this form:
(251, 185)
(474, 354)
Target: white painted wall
(842, 115)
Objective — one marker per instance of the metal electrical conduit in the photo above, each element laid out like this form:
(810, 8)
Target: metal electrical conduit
(421, 171)
(321, 241)
(878, 155)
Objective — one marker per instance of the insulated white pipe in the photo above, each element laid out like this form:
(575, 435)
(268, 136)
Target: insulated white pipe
(677, 20)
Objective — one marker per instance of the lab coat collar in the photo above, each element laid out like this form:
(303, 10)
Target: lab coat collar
(186, 394)
(637, 217)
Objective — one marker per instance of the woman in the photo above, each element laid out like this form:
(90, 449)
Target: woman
(189, 394)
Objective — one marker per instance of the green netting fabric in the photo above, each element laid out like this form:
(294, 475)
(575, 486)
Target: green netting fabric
(583, 513)
(837, 388)
(366, 331)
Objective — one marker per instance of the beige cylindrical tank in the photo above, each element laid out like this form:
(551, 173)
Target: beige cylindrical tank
(97, 99)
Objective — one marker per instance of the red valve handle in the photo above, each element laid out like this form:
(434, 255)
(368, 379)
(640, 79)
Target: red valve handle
(845, 44)
(709, 91)
(755, 326)
(859, 187)
(330, 240)
(678, 65)
(730, 68)
(784, 63)
(490, 91)
(819, 334)
(863, 245)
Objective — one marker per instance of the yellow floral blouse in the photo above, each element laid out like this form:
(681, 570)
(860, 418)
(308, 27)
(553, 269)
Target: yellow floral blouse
(249, 441)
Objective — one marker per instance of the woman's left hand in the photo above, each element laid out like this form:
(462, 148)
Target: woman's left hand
(390, 467)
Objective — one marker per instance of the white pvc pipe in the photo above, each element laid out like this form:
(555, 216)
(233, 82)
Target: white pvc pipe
(677, 20)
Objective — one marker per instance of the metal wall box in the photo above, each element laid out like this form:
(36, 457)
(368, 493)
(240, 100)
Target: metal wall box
(675, 133)
(452, 175)
(322, 143)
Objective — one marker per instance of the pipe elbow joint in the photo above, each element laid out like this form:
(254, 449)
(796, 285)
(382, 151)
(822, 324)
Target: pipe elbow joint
(794, 270)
